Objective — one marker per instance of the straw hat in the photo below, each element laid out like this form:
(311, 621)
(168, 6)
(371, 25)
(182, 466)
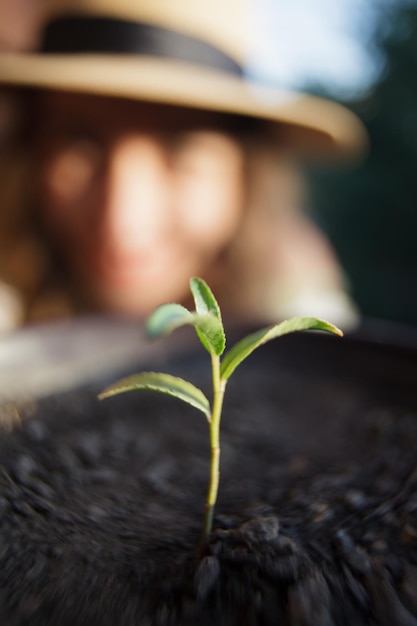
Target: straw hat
(181, 52)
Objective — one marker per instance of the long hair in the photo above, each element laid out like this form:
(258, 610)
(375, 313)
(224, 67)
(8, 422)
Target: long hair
(25, 263)
(281, 264)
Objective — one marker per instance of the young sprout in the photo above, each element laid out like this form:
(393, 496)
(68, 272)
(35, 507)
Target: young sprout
(207, 322)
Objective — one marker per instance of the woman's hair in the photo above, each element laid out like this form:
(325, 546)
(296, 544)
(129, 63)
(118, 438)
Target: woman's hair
(24, 256)
(281, 264)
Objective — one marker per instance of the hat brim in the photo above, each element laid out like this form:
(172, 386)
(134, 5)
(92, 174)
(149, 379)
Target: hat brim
(313, 125)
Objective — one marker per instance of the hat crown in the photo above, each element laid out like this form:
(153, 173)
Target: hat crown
(221, 23)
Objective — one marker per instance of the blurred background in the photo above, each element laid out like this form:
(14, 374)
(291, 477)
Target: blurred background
(19, 24)
(362, 53)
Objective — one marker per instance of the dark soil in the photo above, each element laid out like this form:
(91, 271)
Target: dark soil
(101, 503)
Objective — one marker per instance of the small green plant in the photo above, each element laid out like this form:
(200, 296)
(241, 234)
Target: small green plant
(207, 322)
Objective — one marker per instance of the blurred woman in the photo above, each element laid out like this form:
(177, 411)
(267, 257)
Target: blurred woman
(142, 156)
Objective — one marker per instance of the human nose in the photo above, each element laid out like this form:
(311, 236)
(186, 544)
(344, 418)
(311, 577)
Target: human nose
(135, 210)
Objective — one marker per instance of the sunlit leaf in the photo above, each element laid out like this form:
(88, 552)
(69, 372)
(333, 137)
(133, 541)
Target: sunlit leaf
(213, 338)
(165, 318)
(248, 344)
(204, 299)
(210, 332)
(163, 383)
(168, 317)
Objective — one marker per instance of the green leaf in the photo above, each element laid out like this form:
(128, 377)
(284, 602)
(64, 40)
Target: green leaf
(168, 317)
(206, 319)
(248, 344)
(165, 318)
(210, 332)
(205, 302)
(213, 338)
(164, 383)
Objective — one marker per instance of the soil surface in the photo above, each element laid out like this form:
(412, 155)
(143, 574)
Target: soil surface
(101, 503)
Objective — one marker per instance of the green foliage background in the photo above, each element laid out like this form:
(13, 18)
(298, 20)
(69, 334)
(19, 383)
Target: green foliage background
(370, 211)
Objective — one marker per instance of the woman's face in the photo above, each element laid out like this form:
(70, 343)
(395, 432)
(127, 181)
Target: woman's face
(136, 198)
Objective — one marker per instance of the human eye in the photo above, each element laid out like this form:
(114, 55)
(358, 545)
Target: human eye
(72, 159)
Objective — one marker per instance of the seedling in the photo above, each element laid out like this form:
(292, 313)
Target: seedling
(207, 322)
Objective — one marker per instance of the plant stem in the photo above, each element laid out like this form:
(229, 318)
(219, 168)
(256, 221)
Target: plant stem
(219, 387)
